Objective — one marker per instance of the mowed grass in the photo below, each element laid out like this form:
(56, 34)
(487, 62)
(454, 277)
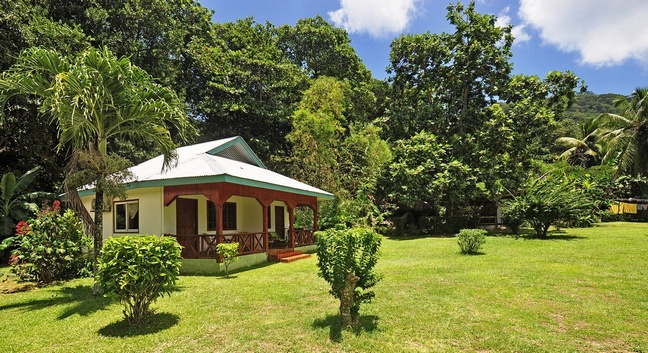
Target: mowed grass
(581, 290)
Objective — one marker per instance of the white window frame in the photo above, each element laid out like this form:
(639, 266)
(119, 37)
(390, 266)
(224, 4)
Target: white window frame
(127, 219)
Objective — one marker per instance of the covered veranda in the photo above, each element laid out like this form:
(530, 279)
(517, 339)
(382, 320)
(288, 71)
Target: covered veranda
(256, 230)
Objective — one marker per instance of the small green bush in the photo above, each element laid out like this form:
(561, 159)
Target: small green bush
(51, 247)
(346, 258)
(229, 252)
(471, 240)
(138, 270)
(513, 214)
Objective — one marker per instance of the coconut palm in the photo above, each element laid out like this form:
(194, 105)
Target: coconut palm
(627, 141)
(94, 98)
(584, 151)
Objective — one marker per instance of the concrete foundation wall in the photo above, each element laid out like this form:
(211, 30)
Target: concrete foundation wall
(211, 267)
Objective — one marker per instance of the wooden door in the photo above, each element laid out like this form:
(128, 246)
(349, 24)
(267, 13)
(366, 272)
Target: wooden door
(280, 226)
(187, 226)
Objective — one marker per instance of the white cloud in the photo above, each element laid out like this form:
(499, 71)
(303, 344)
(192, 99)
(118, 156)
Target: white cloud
(519, 32)
(379, 18)
(604, 32)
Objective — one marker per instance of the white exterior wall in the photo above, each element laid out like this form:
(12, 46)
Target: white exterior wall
(248, 215)
(151, 215)
(156, 219)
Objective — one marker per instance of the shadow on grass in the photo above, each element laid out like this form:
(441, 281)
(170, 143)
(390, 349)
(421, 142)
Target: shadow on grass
(368, 323)
(238, 270)
(154, 323)
(553, 235)
(228, 277)
(79, 300)
(418, 236)
(469, 254)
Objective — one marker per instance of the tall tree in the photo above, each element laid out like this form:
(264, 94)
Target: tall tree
(320, 49)
(92, 99)
(338, 156)
(443, 82)
(249, 88)
(458, 88)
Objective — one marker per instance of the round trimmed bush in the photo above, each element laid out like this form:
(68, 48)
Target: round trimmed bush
(138, 270)
(471, 240)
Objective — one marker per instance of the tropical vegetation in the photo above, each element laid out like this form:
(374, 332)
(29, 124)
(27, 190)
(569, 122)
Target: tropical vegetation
(88, 89)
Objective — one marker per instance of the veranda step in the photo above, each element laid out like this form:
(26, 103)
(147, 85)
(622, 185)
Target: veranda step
(289, 254)
(278, 255)
(294, 258)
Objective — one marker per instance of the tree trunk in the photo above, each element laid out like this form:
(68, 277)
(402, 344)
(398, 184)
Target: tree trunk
(347, 299)
(97, 235)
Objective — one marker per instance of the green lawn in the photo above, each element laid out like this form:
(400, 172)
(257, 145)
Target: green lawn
(582, 290)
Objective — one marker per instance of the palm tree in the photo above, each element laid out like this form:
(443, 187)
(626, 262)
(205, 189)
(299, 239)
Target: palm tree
(628, 140)
(584, 151)
(94, 98)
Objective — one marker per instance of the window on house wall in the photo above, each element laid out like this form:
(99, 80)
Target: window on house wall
(126, 216)
(229, 216)
(211, 216)
(269, 217)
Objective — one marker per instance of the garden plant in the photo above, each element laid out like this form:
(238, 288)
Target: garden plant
(346, 260)
(138, 270)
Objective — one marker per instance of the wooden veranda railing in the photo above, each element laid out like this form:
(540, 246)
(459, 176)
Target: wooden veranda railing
(204, 246)
(304, 237)
(249, 243)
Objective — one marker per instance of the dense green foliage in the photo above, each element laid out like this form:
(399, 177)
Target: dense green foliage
(51, 247)
(463, 128)
(346, 259)
(229, 253)
(471, 240)
(628, 135)
(307, 105)
(339, 156)
(138, 270)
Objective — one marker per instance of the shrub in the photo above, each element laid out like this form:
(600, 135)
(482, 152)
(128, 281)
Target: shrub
(346, 258)
(471, 240)
(229, 253)
(513, 214)
(51, 247)
(138, 270)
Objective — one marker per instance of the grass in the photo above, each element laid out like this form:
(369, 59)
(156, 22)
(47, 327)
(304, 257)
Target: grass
(582, 290)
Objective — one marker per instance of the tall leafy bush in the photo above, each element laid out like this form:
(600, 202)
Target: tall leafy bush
(346, 260)
(551, 200)
(51, 247)
(138, 270)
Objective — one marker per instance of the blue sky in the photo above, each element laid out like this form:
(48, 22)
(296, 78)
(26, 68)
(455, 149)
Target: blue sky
(605, 42)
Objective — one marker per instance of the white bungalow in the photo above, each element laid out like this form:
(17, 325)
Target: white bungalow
(219, 191)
